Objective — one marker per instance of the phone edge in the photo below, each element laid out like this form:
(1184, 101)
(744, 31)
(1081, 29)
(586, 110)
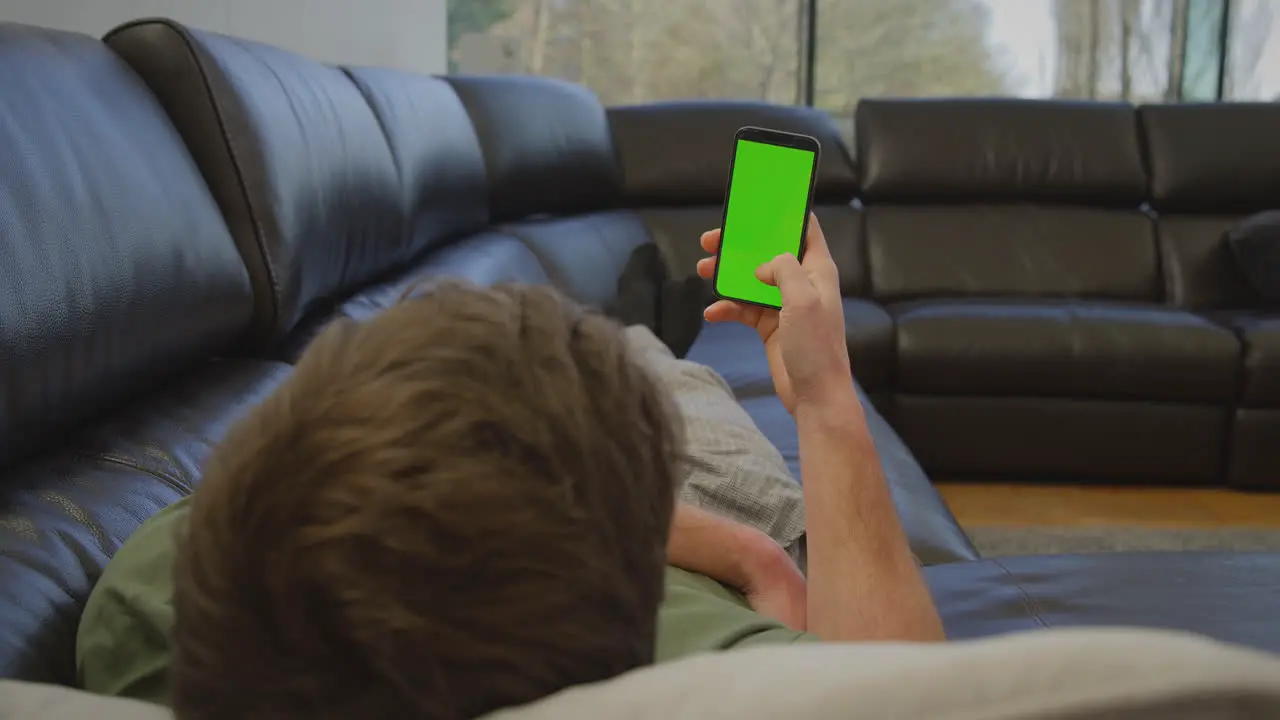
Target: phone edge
(724, 214)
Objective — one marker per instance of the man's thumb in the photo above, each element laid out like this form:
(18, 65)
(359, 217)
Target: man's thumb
(780, 272)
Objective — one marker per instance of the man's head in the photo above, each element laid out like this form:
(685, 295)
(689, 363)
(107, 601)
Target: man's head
(460, 505)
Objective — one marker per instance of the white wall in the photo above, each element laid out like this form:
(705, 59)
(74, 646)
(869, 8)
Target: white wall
(404, 34)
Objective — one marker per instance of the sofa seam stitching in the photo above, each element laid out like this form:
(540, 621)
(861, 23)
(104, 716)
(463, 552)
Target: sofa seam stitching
(1027, 603)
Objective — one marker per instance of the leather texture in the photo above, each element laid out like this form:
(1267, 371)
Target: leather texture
(116, 269)
(64, 513)
(1075, 349)
(1213, 158)
(1199, 270)
(436, 152)
(1260, 335)
(1000, 150)
(583, 255)
(1255, 245)
(1255, 434)
(1063, 440)
(294, 155)
(1011, 250)
(679, 153)
(1227, 596)
(547, 145)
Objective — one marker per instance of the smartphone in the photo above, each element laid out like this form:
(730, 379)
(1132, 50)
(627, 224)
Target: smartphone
(766, 210)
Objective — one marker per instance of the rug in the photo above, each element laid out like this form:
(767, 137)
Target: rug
(1005, 541)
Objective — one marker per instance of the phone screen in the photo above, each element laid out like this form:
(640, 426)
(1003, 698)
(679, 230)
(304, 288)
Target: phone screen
(768, 203)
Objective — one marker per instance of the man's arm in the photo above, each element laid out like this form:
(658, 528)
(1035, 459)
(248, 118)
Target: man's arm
(741, 557)
(864, 583)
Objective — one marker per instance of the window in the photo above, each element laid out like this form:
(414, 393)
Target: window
(636, 51)
(1095, 49)
(1253, 51)
(1202, 50)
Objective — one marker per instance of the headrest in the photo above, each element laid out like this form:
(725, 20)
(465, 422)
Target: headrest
(678, 153)
(292, 152)
(1219, 157)
(546, 145)
(1000, 151)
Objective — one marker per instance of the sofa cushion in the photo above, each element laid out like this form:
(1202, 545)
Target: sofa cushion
(583, 255)
(63, 514)
(116, 268)
(1225, 596)
(1200, 272)
(1064, 348)
(678, 153)
(868, 331)
(736, 353)
(485, 258)
(1254, 460)
(1064, 675)
(1011, 250)
(1255, 243)
(1260, 335)
(546, 143)
(294, 155)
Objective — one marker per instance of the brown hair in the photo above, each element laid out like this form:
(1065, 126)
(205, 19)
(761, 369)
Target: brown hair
(458, 506)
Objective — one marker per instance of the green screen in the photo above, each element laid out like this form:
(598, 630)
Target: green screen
(768, 198)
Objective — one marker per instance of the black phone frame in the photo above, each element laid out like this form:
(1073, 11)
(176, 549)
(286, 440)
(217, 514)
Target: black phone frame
(781, 139)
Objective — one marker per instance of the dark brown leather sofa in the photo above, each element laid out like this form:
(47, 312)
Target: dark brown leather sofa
(180, 212)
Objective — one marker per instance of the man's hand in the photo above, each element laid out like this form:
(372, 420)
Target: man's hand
(805, 341)
(863, 581)
(742, 558)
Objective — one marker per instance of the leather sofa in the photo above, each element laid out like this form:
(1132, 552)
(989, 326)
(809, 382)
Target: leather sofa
(180, 211)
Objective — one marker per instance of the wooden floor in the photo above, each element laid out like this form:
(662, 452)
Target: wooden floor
(1013, 505)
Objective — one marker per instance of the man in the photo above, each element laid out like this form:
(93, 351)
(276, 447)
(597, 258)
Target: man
(468, 503)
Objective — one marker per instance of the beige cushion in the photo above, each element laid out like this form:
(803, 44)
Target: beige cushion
(29, 701)
(1043, 675)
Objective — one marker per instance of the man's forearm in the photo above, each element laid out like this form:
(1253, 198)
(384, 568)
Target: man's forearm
(863, 580)
(715, 546)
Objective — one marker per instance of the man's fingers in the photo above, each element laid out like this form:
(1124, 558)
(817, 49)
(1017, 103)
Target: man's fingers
(815, 242)
(817, 254)
(780, 271)
(710, 241)
(723, 311)
(707, 268)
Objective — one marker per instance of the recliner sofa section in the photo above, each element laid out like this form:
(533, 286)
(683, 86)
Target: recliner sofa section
(1212, 166)
(1013, 245)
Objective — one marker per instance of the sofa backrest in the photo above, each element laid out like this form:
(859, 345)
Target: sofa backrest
(675, 158)
(436, 153)
(121, 294)
(1005, 198)
(294, 155)
(546, 145)
(1211, 166)
(118, 270)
